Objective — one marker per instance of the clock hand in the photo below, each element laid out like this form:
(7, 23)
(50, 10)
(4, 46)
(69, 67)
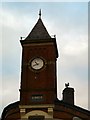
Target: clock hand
(36, 64)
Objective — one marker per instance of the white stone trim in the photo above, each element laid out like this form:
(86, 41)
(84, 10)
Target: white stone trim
(36, 106)
(37, 113)
(22, 112)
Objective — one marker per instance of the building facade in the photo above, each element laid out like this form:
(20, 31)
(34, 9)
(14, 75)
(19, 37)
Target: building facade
(38, 92)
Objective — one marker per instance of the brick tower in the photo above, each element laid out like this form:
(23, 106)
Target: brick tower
(38, 76)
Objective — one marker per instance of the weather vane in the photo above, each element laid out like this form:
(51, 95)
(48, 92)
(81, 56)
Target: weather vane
(40, 13)
(66, 85)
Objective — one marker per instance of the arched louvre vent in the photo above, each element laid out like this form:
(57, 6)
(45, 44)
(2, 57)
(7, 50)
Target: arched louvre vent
(36, 118)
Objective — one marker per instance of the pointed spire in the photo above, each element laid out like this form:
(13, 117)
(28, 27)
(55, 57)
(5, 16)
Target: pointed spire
(40, 13)
(39, 31)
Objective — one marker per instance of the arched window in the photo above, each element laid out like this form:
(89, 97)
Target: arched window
(36, 118)
(76, 118)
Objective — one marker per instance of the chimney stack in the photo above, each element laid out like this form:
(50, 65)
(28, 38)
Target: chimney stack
(68, 95)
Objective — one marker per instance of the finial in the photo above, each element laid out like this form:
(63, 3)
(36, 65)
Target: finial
(22, 38)
(40, 13)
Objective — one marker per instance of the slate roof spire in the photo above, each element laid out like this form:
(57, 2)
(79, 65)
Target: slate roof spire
(39, 31)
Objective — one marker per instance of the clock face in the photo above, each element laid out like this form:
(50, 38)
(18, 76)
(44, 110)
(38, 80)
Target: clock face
(37, 63)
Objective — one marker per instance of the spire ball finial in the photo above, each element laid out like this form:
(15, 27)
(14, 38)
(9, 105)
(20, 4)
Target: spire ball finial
(40, 13)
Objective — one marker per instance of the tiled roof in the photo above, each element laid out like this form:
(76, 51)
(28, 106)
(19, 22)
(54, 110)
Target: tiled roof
(7, 109)
(38, 32)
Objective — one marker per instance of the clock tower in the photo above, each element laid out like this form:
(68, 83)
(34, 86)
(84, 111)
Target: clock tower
(38, 75)
(38, 91)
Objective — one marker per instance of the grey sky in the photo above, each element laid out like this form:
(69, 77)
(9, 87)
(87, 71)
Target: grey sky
(69, 22)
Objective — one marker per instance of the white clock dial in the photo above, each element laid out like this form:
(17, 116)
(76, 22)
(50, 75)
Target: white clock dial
(37, 63)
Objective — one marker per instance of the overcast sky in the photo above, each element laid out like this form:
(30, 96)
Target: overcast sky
(69, 22)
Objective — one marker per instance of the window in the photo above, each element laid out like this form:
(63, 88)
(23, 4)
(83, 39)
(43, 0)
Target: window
(37, 98)
(36, 118)
(76, 118)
